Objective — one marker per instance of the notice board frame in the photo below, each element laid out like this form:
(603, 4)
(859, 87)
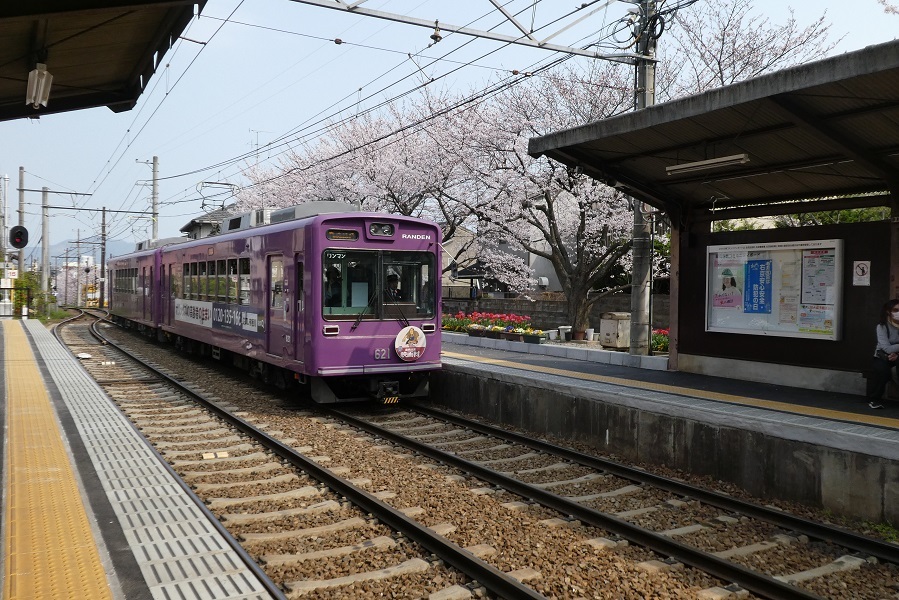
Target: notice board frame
(786, 289)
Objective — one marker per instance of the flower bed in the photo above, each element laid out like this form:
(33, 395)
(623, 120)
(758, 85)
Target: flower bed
(462, 321)
(659, 342)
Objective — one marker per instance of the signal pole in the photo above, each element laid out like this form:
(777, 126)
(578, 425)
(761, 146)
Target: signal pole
(21, 264)
(3, 201)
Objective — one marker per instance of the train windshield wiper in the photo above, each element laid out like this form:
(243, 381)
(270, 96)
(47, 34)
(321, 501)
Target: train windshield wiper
(402, 318)
(364, 310)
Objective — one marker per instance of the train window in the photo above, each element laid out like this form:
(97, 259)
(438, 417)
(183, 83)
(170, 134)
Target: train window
(348, 284)
(243, 265)
(194, 282)
(221, 287)
(210, 281)
(175, 282)
(186, 281)
(202, 288)
(232, 281)
(409, 284)
(276, 279)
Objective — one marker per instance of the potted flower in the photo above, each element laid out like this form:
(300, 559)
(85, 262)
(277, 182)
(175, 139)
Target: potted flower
(476, 330)
(514, 334)
(534, 336)
(494, 331)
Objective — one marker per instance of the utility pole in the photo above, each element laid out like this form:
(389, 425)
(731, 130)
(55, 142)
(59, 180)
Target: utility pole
(77, 267)
(641, 279)
(45, 245)
(155, 197)
(66, 284)
(103, 261)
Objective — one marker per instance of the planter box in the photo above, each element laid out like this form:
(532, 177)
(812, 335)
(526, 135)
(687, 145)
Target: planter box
(477, 332)
(494, 335)
(514, 337)
(534, 339)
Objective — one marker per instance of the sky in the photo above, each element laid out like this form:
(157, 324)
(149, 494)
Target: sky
(267, 74)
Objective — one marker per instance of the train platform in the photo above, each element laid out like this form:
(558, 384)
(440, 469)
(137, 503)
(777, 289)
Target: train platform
(91, 511)
(820, 448)
(591, 363)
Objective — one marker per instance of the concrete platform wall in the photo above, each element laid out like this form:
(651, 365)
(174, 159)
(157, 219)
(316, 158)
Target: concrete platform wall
(767, 460)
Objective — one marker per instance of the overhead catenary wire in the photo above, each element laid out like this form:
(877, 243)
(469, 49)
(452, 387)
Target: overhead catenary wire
(308, 129)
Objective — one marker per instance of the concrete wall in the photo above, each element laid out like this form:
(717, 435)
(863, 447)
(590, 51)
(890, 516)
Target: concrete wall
(851, 474)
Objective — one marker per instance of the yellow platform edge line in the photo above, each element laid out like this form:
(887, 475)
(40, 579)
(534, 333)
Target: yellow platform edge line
(689, 392)
(49, 548)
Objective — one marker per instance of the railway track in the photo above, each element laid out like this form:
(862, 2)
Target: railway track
(565, 524)
(312, 531)
(721, 535)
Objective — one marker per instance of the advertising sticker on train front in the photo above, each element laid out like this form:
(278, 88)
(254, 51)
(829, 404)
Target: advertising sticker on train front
(410, 343)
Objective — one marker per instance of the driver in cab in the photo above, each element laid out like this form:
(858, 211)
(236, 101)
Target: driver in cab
(392, 293)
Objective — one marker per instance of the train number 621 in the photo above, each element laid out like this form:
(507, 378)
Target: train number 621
(380, 353)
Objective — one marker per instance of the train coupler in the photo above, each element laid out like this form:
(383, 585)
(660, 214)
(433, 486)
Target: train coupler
(388, 392)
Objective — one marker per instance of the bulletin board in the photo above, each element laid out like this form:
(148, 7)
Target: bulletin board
(790, 289)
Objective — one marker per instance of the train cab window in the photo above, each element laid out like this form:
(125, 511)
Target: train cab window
(409, 285)
(243, 265)
(348, 284)
(221, 293)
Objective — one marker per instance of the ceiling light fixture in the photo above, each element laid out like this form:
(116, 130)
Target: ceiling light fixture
(712, 163)
(38, 91)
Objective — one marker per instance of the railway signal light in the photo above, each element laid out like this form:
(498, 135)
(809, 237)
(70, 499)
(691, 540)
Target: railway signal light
(18, 236)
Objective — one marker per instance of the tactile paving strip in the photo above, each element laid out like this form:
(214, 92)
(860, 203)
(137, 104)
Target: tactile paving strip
(50, 551)
(180, 553)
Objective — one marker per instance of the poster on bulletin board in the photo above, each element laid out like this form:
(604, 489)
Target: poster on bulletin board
(790, 289)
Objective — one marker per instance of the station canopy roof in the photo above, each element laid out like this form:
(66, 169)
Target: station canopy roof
(99, 52)
(818, 131)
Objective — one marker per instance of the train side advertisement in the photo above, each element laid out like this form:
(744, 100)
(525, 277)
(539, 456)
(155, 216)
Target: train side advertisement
(216, 315)
(791, 289)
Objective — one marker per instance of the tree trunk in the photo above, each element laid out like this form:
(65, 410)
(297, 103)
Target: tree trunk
(578, 311)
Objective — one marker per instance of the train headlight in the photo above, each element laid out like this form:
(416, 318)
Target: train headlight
(381, 229)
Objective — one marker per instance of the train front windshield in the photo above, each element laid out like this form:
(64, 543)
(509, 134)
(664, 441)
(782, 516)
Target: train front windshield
(377, 285)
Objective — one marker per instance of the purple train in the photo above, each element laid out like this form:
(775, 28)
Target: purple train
(345, 304)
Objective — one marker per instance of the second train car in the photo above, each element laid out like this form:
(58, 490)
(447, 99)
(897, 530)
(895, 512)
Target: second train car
(345, 303)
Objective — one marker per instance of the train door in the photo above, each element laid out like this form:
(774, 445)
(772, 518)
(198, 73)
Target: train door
(277, 324)
(151, 300)
(163, 295)
(143, 293)
(299, 314)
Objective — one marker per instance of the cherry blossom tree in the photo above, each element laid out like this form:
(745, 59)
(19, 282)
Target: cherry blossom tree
(453, 161)
(394, 161)
(540, 207)
(712, 44)
(888, 7)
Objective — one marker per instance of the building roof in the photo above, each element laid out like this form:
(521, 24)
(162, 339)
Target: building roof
(818, 130)
(210, 218)
(99, 52)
